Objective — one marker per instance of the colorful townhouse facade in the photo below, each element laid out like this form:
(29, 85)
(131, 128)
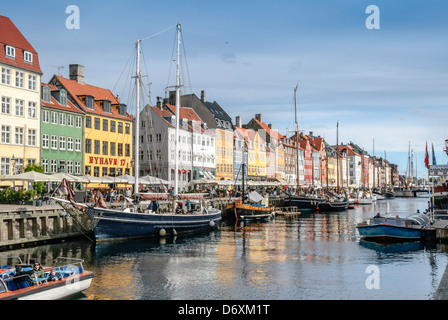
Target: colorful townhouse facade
(61, 132)
(20, 81)
(107, 129)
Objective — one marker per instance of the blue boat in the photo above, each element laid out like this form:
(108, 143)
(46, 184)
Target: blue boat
(394, 228)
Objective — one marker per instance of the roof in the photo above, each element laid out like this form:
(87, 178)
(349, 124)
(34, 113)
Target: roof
(77, 90)
(11, 36)
(55, 103)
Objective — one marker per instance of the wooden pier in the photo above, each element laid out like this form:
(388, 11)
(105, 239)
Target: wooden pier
(287, 212)
(22, 226)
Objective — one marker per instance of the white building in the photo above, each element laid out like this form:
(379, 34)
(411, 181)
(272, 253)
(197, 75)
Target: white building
(20, 101)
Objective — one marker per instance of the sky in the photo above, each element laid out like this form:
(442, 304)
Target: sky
(387, 88)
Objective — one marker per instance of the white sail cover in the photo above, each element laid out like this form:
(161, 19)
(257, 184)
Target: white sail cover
(255, 196)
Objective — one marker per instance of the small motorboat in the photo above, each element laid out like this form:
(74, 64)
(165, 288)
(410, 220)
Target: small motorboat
(17, 283)
(394, 228)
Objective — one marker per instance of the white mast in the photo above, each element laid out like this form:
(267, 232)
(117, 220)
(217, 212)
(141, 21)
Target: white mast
(176, 163)
(137, 118)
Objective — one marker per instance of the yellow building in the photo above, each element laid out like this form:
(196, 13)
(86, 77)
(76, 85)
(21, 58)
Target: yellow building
(224, 154)
(256, 153)
(280, 162)
(107, 126)
(20, 77)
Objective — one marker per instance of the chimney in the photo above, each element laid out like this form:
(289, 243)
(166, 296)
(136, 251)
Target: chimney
(270, 126)
(77, 73)
(238, 122)
(159, 103)
(258, 117)
(311, 134)
(203, 96)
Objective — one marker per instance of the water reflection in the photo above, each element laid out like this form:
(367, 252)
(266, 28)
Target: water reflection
(314, 256)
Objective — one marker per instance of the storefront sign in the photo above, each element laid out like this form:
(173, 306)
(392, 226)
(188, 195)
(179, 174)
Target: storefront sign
(107, 161)
(438, 170)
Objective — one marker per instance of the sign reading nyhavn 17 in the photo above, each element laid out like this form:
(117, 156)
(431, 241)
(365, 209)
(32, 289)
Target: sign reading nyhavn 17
(107, 161)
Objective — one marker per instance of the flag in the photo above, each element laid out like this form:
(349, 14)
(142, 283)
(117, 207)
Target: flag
(427, 157)
(434, 162)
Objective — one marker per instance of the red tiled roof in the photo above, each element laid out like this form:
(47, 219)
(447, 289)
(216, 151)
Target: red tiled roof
(76, 90)
(10, 35)
(55, 104)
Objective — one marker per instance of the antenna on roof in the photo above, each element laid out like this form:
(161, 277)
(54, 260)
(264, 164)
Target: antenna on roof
(59, 69)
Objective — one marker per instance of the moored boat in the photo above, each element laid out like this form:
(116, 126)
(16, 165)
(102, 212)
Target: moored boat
(394, 228)
(332, 205)
(17, 283)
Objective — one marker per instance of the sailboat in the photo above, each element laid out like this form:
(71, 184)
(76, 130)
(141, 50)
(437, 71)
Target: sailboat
(247, 208)
(301, 202)
(187, 216)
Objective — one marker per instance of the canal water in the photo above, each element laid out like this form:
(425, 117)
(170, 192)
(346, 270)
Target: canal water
(317, 256)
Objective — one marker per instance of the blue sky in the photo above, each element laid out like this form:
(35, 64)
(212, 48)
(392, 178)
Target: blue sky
(388, 85)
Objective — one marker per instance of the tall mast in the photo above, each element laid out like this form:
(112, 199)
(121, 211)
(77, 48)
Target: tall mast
(176, 150)
(138, 77)
(337, 154)
(297, 140)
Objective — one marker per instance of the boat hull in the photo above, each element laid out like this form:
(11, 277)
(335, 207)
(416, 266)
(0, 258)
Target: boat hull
(332, 206)
(53, 290)
(249, 212)
(302, 203)
(385, 232)
(118, 225)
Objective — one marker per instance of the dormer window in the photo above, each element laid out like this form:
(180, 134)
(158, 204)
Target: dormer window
(106, 106)
(63, 98)
(46, 95)
(90, 102)
(122, 109)
(28, 56)
(10, 52)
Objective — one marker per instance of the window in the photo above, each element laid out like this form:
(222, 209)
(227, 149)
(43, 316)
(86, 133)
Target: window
(19, 79)
(120, 127)
(45, 165)
(69, 166)
(89, 102)
(88, 122)
(120, 149)
(54, 117)
(6, 76)
(6, 166)
(32, 84)
(112, 126)
(62, 119)
(46, 116)
(19, 108)
(45, 141)
(104, 171)
(105, 148)
(96, 171)
(6, 105)
(32, 110)
(88, 146)
(78, 122)
(77, 167)
(31, 137)
(54, 142)
(28, 57)
(63, 97)
(96, 147)
(69, 143)
(46, 95)
(127, 128)
(19, 135)
(127, 150)
(158, 137)
(10, 52)
(105, 125)
(53, 166)
(112, 148)
(70, 120)
(97, 123)
(61, 143)
(78, 145)
(6, 134)
(106, 106)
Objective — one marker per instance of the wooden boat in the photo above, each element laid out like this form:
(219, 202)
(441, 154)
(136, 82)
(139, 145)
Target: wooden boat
(16, 286)
(332, 205)
(394, 228)
(249, 208)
